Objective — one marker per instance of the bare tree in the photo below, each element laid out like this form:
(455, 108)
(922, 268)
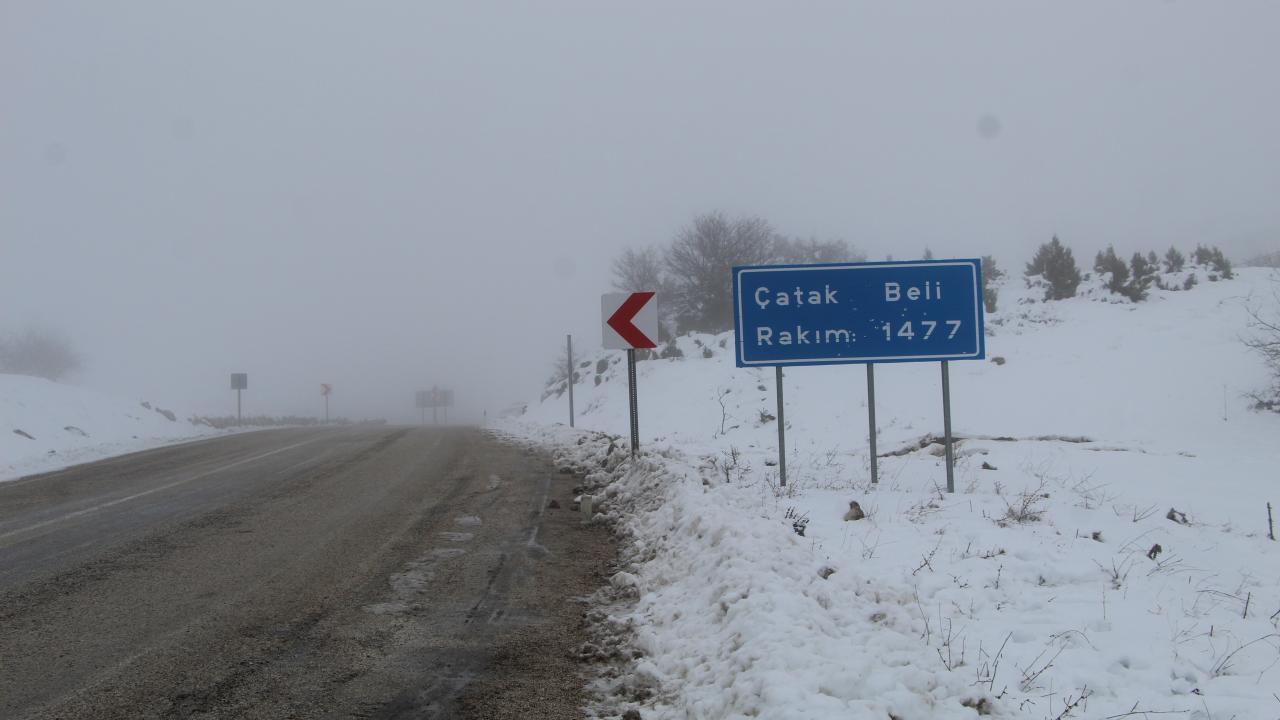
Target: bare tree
(644, 269)
(1266, 342)
(638, 270)
(38, 352)
(700, 261)
(813, 250)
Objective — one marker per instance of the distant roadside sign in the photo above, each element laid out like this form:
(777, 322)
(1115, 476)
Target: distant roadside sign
(630, 320)
(239, 381)
(326, 389)
(434, 398)
(928, 310)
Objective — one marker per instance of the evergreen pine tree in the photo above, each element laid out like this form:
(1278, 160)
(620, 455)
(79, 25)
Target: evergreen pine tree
(1111, 264)
(1055, 263)
(1143, 273)
(1221, 263)
(990, 274)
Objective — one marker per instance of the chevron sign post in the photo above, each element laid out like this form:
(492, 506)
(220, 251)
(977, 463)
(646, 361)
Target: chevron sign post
(630, 323)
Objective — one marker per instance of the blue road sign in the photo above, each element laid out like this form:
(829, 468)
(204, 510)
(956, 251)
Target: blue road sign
(928, 310)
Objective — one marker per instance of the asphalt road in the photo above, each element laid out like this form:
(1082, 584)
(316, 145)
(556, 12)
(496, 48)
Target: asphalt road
(366, 572)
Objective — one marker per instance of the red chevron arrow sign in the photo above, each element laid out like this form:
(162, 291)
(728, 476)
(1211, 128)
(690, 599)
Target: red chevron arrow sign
(630, 320)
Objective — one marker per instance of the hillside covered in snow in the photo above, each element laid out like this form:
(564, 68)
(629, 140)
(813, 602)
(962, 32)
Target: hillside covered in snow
(1107, 551)
(46, 425)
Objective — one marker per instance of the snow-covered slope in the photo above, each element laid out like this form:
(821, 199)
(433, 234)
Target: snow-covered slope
(1028, 593)
(46, 425)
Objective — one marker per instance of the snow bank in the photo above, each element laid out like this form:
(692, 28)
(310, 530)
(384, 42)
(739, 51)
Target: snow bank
(46, 426)
(1035, 591)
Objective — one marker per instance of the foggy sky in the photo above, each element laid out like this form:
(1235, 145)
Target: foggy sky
(384, 196)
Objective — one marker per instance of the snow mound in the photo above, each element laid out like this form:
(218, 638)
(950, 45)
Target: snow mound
(46, 426)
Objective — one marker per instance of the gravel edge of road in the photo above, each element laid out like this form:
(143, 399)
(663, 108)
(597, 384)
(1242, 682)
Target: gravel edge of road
(601, 649)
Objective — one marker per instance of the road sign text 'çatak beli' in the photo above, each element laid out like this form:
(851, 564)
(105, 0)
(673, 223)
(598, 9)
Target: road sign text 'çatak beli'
(858, 312)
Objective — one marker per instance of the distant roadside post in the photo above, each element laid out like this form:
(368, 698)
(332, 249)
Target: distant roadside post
(630, 322)
(422, 402)
(860, 313)
(239, 381)
(569, 360)
(444, 400)
(326, 390)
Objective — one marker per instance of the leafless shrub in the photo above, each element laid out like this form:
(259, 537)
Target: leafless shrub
(869, 549)
(1136, 513)
(722, 395)
(1225, 663)
(799, 520)
(1090, 495)
(730, 465)
(1071, 703)
(38, 352)
(925, 560)
(1117, 574)
(989, 666)
(1027, 506)
(1039, 664)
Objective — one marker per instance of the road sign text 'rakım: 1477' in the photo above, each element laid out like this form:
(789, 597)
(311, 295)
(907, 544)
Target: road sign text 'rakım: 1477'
(867, 313)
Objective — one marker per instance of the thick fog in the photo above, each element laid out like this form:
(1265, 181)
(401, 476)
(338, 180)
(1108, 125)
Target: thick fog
(386, 196)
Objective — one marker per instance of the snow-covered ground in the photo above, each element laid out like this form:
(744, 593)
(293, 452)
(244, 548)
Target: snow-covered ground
(46, 426)
(1035, 591)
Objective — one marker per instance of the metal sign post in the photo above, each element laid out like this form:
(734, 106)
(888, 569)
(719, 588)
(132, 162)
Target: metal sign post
(946, 426)
(630, 323)
(871, 422)
(631, 394)
(782, 432)
(843, 313)
(325, 390)
(239, 382)
(569, 351)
